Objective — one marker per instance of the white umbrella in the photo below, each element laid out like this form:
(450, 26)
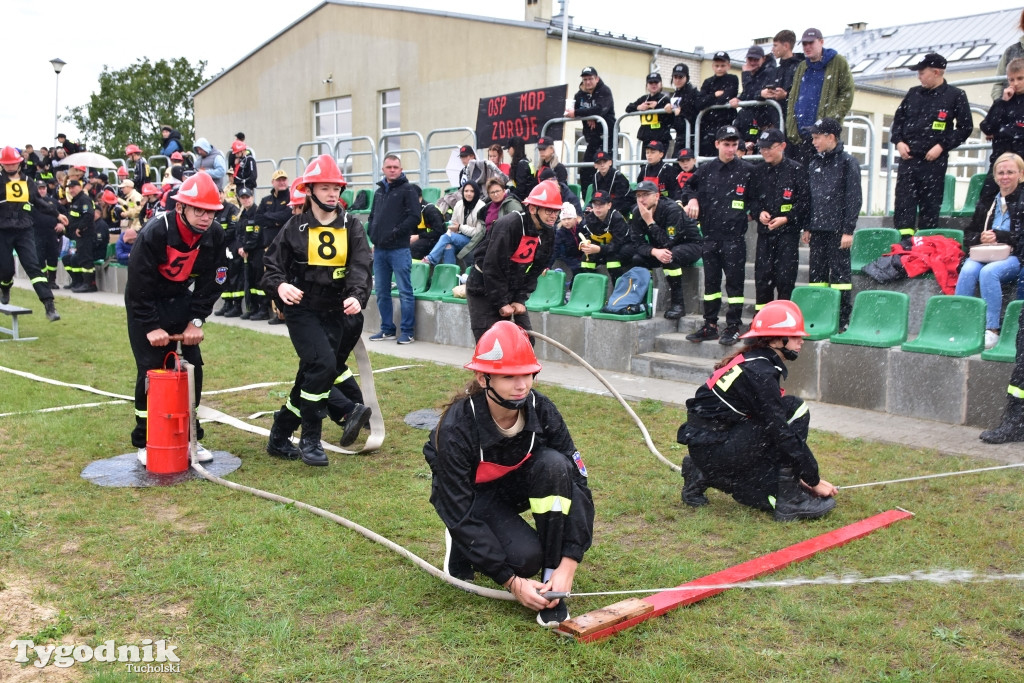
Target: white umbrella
(454, 167)
(90, 159)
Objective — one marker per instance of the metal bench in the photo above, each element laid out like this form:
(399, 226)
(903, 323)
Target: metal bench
(14, 312)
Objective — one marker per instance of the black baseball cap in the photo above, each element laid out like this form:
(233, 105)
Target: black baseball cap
(769, 137)
(727, 133)
(656, 145)
(601, 197)
(467, 151)
(646, 186)
(654, 77)
(684, 154)
(602, 156)
(755, 51)
(680, 70)
(245, 192)
(588, 71)
(543, 143)
(74, 183)
(931, 60)
(827, 126)
(721, 56)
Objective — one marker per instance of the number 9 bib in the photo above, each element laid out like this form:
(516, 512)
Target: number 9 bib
(17, 191)
(328, 247)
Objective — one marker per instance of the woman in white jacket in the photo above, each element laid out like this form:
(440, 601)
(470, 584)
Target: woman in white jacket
(464, 224)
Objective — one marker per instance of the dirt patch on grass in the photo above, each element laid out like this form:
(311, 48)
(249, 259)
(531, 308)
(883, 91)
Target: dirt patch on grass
(21, 615)
(160, 511)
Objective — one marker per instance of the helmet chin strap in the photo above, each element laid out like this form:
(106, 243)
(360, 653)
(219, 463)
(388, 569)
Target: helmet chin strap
(184, 219)
(504, 402)
(787, 353)
(324, 207)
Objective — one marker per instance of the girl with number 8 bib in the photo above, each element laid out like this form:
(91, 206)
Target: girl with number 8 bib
(318, 270)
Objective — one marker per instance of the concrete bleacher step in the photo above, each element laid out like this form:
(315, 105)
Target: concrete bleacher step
(672, 367)
(676, 344)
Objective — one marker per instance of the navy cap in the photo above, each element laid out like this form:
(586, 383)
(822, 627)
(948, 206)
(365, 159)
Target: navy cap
(654, 77)
(601, 197)
(721, 56)
(74, 183)
(769, 137)
(646, 186)
(684, 154)
(602, 156)
(680, 70)
(245, 192)
(467, 151)
(827, 127)
(543, 143)
(931, 60)
(656, 145)
(727, 133)
(756, 52)
(588, 71)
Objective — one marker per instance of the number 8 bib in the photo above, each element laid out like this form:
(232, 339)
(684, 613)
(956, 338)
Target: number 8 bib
(328, 247)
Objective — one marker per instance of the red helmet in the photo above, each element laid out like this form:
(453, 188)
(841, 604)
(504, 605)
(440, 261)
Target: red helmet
(237, 146)
(176, 156)
(132, 149)
(298, 197)
(109, 197)
(122, 171)
(504, 349)
(777, 319)
(149, 189)
(323, 169)
(10, 156)
(200, 192)
(546, 195)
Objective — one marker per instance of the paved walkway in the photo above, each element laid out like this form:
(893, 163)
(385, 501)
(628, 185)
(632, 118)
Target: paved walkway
(848, 422)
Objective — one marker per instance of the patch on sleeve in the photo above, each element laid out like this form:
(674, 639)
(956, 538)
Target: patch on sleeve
(222, 275)
(576, 458)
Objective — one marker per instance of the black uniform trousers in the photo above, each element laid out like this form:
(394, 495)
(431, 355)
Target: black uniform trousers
(175, 315)
(775, 266)
(919, 187)
(483, 314)
(47, 249)
(254, 295)
(23, 241)
(234, 286)
(423, 245)
(586, 173)
(724, 255)
(740, 459)
(830, 267)
(345, 392)
(82, 262)
(682, 255)
(548, 476)
(316, 336)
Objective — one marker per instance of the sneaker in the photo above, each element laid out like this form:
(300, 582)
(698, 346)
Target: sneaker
(141, 456)
(730, 336)
(991, 339)
(551, 617)
(706, 333)
(404, 338)
(382, 336)
(203, 454)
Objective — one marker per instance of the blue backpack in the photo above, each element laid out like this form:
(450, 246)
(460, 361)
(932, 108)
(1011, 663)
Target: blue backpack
(630, 294)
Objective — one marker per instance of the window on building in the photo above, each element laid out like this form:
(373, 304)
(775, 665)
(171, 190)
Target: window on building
(958, 54)
(883, 162)
(862, 65)
(899, 61)
(390, 116)
(332, 121)
(978, 51)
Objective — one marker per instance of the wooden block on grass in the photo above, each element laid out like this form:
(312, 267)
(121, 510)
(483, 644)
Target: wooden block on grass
(606, 616)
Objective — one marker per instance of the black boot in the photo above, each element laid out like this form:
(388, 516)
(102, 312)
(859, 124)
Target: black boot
(262, 313)
(5, 295)
(678, 308)
(51, 311)
(248, 312)
(76, 281)
(235, 310)
(1012, 427)
(796, 502)
(279, 444)
(51, 279)
(356, 419)
(88, 285)
(456, 564)
(228, 304)
(312, 452)
(694, 484)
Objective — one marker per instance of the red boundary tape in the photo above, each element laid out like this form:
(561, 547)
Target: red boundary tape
(669, 600)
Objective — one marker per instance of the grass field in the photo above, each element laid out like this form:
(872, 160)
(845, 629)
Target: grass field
(254, 591)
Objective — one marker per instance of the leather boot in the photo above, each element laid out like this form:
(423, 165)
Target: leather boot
(235, 310)
(312, 452)
(51, 279)
(279, 444)
(228, 303)
(356, 419)
(51, 311)
(5, 295)
(796, 502)
(76, 280)
(88, 285)
(678, 308)
(1012, 427)
(262, 313)
(694, 484)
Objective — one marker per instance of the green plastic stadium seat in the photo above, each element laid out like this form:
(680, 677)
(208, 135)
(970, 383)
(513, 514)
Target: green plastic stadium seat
(1006, 350)
(589, 292)
(643, 315)
(420, 277)
(869, 244)
(951, 233)
(973, 194)
(948, 195)
(879, 319)
(590, 194)
(431, 194)
(371, 195)
(451, 299)
(820, 306)
(576, 189)
(952, 326)
(550, 292)
(446, 276)
(348, 196)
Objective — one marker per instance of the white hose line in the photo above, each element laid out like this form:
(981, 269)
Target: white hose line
(375, 537)
(616, 394)
(262, 385)
(81, 387)
(931, 476)
(71, 407)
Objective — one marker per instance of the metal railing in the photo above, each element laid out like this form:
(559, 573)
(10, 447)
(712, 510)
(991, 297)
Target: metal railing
(420, 157)
(428, 148)
(353, 177)
(872, 159)
(740, 105)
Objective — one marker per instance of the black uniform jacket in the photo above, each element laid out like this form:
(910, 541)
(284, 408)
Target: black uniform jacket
(329, 263)
(81, 216)
(18, 203)
(723, 192)
(1005, 123)
(835, 191)
(925, 118)
(163, 266)
(670, 228)
(598, 103)
(248, 231)
(751, 391)
(781, 190)
(616, 185)
(272, 213)
(611, 234)
(509, 260)
(656, 124)
(453, 453)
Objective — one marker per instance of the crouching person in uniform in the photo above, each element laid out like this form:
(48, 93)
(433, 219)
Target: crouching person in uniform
(175, 276)
(501, 449)
(318, 270)
(748, 439)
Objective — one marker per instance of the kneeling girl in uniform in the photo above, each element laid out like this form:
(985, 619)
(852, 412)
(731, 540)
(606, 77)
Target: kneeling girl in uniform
(501, 449)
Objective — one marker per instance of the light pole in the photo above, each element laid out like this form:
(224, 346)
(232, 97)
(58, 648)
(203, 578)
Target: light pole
(57, 64)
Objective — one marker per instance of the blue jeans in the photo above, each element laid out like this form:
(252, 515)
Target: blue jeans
(399, 262)
(447, 248)
(991, 277)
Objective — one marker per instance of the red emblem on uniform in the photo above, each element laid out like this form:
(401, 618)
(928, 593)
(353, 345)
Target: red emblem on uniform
(787, 193)
(526, 250)
(222, 275)
(943, 114)
(179, 264)
(740, 189)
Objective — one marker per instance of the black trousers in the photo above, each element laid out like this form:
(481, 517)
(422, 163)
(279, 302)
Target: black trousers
(775, 266)
(255, 295)
(234, 286)
(830, 267)
(345, 391)
(422, 246)
(22, 240)
(919, 187)
(174, 315)
(742, 460)
(47, 249)
(586, 173)
(483, 314)
(546, 477)
(316, 336)
(80, 264)
(726, 255)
